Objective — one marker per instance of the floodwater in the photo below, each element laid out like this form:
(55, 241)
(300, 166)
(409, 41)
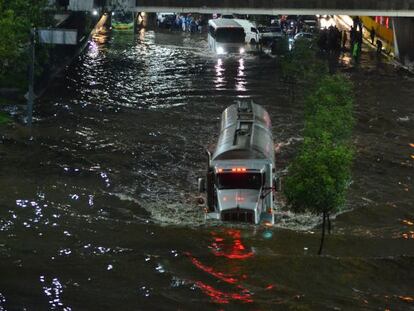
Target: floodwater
(97, 203)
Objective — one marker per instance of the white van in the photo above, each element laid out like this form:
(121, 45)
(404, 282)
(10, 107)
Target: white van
(225, 36)
(250, 29)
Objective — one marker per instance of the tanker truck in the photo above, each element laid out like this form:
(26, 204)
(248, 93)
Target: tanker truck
(241, 174)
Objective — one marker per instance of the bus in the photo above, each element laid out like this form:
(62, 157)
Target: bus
(226, 36)
(122, 21)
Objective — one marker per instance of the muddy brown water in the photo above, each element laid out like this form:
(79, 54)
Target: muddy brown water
(97, 208)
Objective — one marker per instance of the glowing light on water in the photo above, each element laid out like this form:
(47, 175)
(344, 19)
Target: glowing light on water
(93, 49)
(240, 80)
(222, 297)
(408, 222)
(219, 81)
(408, 235)
(267, 234)
(54, 293)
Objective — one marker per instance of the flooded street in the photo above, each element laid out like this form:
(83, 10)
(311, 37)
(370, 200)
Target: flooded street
(98, 209)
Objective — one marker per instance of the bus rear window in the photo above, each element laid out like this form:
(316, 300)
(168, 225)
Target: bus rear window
(239, 181)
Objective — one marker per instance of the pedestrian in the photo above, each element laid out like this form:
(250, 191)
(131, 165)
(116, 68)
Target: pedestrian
(359, 40)
(183, 25)
(372, 34)
(379, 47)
(352, 37)
(344, 39)
(356, 52)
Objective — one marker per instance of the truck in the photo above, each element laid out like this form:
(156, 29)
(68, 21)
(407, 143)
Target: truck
(241, 178)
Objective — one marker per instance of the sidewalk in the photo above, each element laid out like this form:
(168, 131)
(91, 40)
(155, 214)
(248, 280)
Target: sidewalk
(344, 22)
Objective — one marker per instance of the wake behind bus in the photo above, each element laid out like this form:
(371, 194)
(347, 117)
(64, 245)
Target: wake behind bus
(226, 36)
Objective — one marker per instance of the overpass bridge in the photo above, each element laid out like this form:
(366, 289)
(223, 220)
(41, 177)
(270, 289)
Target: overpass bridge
(402, 11)
(392, 8)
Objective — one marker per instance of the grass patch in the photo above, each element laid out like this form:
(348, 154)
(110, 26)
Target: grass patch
(4, 118)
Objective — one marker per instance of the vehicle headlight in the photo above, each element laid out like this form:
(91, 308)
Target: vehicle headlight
(242, 50)
(220, 50)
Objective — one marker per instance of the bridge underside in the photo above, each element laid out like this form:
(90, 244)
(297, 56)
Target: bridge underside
(274, 7)
(249, 11)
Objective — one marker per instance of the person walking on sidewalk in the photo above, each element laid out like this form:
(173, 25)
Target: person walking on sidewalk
(372, 34)
(379, 47)
(356, 52)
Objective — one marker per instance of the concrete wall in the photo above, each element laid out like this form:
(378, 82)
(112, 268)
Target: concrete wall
(404, 39)
(81, 5)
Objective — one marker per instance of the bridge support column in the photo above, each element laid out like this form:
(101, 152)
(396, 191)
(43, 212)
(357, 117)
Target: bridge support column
(404, 39)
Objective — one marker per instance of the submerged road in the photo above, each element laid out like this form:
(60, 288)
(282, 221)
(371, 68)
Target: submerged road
(97, 209)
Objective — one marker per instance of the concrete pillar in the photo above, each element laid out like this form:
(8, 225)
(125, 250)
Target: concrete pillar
(404, 39)
(136, 27)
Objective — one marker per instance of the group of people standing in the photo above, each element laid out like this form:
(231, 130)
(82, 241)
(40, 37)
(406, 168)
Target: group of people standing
(332, 39)
(189, 23)
(185, 22)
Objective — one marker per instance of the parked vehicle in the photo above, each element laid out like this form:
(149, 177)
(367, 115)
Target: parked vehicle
(303, 35)
(165, 19)
(307, 36)
(241, 174)
(226, 36)
(250, 29)
(311, 21)
(270, 33)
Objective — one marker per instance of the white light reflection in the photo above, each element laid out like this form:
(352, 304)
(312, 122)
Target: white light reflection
(219, 81)
(2, 300)
(54, 293)
(93, 49)
(240, 80)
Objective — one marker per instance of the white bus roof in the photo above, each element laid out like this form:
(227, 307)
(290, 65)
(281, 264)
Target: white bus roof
(223, 23)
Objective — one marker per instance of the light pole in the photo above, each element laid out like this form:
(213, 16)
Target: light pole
(30, 94)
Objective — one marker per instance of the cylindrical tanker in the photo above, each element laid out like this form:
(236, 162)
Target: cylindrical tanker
(241, 171)
(246, 133)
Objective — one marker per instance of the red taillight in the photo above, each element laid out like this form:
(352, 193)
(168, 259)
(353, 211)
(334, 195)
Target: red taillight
(220, 170)
(238, 169)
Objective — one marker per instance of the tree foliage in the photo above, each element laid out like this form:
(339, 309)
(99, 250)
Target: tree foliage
(329, 109)
(16, 19)
(302, 63)
(319, 176)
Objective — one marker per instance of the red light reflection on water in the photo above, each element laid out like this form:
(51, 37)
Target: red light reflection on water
(233, 250)
(229, 246)
(228, 278)
(223, 297)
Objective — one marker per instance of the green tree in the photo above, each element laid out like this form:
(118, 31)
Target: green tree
(329, 109)
(318, 178)
(301, 65)
(320, 174)
(16, 19)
